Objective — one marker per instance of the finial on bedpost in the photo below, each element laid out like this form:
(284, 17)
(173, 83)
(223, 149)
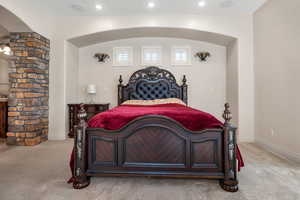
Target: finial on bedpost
(184, 88)
(81, 180)
(120, 80)
(82, 113)
(120, 90)
(227, 114)
(184, 80)
(230, 181)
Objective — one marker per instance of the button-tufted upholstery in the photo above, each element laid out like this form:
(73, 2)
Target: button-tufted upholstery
(153, 90)
(151, 83)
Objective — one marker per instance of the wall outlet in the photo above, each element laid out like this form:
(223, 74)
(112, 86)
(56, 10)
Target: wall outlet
(272, 132)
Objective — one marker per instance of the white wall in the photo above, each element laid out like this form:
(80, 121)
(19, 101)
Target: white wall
(206, 80)
(232, 81)
(4, 66)
(277, 61)
(71, 78)
(71, 63)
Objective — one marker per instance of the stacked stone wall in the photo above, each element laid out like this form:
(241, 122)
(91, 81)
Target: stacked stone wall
(29, 92)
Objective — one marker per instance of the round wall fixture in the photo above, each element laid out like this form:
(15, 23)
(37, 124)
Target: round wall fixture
(99, 7)
(151, 4)
(202, 3)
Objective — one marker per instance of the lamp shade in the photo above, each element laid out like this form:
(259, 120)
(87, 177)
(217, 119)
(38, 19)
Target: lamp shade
(91, 89)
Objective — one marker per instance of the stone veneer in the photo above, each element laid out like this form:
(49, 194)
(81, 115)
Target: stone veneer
(29, 92)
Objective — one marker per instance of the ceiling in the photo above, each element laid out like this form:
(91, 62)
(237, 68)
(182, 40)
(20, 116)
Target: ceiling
(133, 7)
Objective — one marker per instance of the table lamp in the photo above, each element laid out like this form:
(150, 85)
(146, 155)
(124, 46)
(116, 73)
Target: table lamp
(91, 91)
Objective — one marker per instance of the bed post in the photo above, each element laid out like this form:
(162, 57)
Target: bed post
(184, 90)
(230, 182)
(120, 90)
(81, 180)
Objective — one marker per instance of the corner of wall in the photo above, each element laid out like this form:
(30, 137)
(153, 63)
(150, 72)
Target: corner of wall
(277, 150)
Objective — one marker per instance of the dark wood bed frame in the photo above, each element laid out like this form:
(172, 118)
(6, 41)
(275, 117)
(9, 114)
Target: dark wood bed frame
(155, 145)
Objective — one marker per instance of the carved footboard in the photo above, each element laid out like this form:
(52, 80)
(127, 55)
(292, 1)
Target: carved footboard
(156, 146)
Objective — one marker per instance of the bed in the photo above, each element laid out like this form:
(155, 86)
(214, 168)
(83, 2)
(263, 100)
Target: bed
(152, 144)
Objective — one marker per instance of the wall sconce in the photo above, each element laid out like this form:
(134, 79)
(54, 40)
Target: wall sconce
(102, 57)
(202, 56)
(5, 49)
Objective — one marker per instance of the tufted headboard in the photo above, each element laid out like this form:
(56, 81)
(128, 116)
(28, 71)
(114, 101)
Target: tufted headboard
(152, 83)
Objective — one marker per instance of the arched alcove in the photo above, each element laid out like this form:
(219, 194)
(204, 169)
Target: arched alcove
(75, 46)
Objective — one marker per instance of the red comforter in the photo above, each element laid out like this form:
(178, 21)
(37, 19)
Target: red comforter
(190, 118)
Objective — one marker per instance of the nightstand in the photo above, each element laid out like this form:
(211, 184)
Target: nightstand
(3, 119)
(91, 109)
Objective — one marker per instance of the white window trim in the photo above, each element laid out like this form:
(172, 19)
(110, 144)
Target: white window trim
(189, 56)
(116, 50)
(159, 51)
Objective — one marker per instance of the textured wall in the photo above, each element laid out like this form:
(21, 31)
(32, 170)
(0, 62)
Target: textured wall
(28, 98)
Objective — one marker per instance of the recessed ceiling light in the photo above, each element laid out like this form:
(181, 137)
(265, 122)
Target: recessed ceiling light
(77, 7)
(151, 4)
(202, 4)
(227, 4)
(99, 7)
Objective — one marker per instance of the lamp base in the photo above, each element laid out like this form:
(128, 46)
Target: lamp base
(91, 98)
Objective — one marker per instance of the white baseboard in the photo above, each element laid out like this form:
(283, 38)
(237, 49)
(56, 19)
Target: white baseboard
(279, 151)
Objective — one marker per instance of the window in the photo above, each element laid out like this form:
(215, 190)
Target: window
(123, 56)
(151, 55)
(181, 55)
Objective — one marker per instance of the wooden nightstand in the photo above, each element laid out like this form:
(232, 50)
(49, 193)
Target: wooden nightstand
(91, 109)
(3, 119)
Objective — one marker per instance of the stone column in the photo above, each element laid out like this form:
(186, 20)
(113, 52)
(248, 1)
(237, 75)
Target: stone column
(29, 92)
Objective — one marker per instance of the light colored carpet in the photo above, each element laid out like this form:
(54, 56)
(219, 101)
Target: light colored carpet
(40, 173)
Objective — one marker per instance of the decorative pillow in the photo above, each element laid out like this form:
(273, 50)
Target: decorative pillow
(153, 102)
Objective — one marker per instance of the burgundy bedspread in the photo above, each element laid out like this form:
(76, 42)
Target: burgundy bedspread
(190, 118)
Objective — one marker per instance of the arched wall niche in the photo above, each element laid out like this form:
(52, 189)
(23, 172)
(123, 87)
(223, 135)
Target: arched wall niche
(74, 45)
